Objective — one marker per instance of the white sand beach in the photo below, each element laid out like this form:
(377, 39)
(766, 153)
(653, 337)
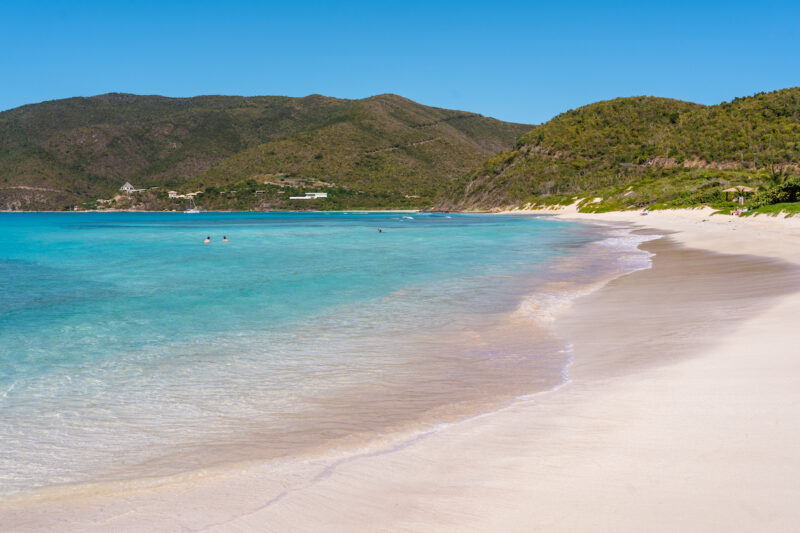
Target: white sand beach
(682, 413)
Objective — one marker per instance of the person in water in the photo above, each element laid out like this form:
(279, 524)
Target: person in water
(208, 239)
(379, 230)
(224, 238)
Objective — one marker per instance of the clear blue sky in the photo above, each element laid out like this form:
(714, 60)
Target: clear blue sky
(517, 61)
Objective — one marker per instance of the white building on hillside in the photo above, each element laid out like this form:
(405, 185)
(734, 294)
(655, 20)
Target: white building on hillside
(310, 196)
(128, 188)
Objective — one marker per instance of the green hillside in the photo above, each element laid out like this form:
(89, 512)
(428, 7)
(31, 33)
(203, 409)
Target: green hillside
(642, 151)
(376, 152)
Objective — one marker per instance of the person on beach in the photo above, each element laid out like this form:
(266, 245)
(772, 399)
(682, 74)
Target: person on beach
(208, 239)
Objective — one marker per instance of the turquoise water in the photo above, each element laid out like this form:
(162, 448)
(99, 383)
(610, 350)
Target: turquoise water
(126, 342)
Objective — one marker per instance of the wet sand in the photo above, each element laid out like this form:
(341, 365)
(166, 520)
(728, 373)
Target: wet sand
(682, 413)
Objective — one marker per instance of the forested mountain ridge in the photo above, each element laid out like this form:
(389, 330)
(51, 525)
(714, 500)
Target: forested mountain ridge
(641, 151)
(389, 152)
(376, 151)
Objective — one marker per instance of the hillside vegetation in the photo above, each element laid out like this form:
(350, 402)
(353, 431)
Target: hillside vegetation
(642, 152)
(240, 152)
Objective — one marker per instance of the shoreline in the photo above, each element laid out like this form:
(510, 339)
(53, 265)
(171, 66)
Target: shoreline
(516, 327)
(560, 211)
(697, 227)
(547, 462)
(353, 211)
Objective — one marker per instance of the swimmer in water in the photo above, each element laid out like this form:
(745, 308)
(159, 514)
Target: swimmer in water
(208, 239)
(379, 230)
(224, 238)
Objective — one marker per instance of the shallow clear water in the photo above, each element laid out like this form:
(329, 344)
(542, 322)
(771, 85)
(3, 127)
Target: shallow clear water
(130, 347)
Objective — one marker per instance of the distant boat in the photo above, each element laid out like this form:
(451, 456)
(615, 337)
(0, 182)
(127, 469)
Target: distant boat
(192, 208)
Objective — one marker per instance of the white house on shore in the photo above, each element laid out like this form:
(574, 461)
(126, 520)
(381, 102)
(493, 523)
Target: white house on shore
(310, 196)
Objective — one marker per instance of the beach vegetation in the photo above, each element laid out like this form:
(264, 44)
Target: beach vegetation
(780, 209)
(780, 192)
